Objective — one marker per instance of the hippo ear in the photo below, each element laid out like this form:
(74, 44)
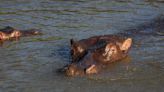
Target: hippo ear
(72, 41)
(126, 44)
(107, 49)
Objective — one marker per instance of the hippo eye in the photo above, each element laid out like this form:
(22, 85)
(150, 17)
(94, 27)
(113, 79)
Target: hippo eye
(112, 50)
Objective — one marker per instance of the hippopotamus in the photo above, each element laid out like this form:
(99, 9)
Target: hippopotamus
(10, 33)
(95, 59)
(79, 48)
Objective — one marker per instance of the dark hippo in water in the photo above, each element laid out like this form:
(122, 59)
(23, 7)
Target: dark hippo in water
(114, 49)
(8, 33)
(91, 55)
(79, 48)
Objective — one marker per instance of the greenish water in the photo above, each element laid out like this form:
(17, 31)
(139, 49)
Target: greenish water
(29, 65)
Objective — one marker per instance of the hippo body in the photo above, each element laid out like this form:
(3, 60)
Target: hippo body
(8, 33)
(79, 48)
(94, 59)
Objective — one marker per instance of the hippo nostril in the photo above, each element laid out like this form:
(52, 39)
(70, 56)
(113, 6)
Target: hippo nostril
(124, 51)
(70, 71)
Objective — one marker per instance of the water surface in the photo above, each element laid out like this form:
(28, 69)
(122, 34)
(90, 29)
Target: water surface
(29, 65)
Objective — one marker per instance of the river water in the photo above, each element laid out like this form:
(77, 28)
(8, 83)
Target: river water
(30, 65)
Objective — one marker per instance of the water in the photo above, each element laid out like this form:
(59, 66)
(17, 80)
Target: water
(29, 65)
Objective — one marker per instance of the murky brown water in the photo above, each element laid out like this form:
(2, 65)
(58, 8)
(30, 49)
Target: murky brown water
(30, 64)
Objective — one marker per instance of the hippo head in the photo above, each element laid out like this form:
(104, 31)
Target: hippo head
(4, 36)
(114, 51)
(93, 61)
(77, 50)
(74, 70)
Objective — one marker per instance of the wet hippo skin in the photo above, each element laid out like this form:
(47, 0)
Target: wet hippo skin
(79, 48)
(8, 33)
(95, 59)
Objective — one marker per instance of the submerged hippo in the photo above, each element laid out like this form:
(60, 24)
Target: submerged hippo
(79, 48)
(95, 59)
(8, 33)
